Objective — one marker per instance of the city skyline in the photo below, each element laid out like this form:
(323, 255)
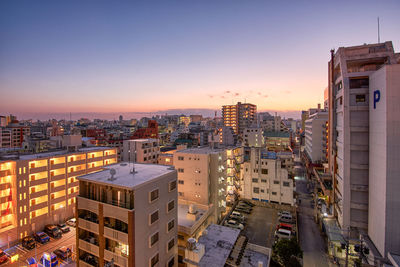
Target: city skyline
(117, 58)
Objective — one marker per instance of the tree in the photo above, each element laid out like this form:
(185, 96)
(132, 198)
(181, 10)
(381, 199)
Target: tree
(286, 252)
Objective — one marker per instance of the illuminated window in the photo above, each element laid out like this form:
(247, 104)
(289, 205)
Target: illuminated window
(20, 209)
(24, 169)
(20, 196)
(24, 195)
(25, 222)
(25, 208)
(24, 182)
(20, 222)
(20, 170)
(20, 184)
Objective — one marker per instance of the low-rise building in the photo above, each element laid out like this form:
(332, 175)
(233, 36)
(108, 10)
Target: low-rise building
(128, 216)
(141, 150)
(253, 137)
(316, 136)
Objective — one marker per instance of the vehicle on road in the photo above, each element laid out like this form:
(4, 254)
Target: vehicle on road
(49, 260)
(282, 234)
(234, 224)
(31, 262)
(244, 210)
(28, 242)
(41, 237)
(71, 222)
(52, 231)
(286, 218)
(63, 252)
(3, 257)
(63, 227)
(247, 202)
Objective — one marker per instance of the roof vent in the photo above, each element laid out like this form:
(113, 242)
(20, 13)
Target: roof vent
(191, 244)
(192, 209)
(112, 172)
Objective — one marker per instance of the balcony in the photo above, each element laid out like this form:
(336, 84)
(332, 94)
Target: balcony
(57, 166)
(88, 204)
(116, 235)
(38, 169)
(89, 247)
(38, 194)
(76, 162)
(88, 226)
(118, 259)
(93, 169)
(77, 173)
(84, 264)
(56, 189)
(73, 184)
(89, 160)
(110, 156)
(57, 177)
(38, 206)
(38, 182)
(4, 173)
(58, 199)
(114, 211)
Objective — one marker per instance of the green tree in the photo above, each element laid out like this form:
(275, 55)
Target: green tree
(286, 252)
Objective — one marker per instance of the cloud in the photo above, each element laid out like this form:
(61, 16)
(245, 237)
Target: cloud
(259, 93)
(227, 92)
(265, 96)
(222, 96)
(210, 96)
(287, 92)
(237, 94)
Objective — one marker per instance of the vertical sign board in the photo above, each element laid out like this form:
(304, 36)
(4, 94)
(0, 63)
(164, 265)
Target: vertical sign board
(377, 97)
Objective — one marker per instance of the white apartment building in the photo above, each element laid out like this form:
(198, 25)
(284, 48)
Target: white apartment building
(253, 137)
(316, 136)
(128, 216)
(266, 178)
(384, 159)
(5, 138)
(349, 129)
(141, 150)
(202, 177)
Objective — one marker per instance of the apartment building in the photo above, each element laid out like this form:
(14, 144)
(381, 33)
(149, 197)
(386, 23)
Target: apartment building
(141, 150)
(384, 159)
(40, 189)
(253, 137)
(17, 133)
(202, 177)
(266, 178)
(5, 138)
(350, 69)
(316, 139)
(128, 216)
(239, 116)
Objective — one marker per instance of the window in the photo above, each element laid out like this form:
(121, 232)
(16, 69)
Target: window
(286, 184)
(154, 217)
(171, 262)
(171, 225)
(256, 190)
(180, 194)
(181, 158)
(153, 239)
(172, 186)
(154, 260)
(276, 182)
(262, 190)
(341, 100)
(274, 193)
(181, 182)
(263, 181)
(153, 195)
(171, 244)
(255, 180)
(171, 205)
(360, 98)
(264, 171)
(180, 170)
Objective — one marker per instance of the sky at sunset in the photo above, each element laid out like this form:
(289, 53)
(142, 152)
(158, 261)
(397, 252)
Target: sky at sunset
(120, 56)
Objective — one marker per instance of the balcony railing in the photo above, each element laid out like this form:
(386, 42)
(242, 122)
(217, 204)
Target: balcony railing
(88, 225)
(89, 247)
(115, 235)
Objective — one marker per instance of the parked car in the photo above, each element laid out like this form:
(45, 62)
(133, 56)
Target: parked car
(286, 226)
(63, 227)
(41, 237)
(244, 210)
(233, 224)
(238, 220)
(284, 212)
(31, 262)
(49, 260)
(63, 252)
(237, 215)
(28, 242)
(245, 206)
(71, 222)
(3, 257)
(286, 218)
(52, 231)
(282, 234)
(247, 202)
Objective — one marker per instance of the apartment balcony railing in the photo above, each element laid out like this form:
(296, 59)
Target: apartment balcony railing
(88, 204)
(57, 177)
(57, 166)
(115, 234)
(118, 259)
(38, 206)
(38, 169)
(76, 162)
(38, 182)
(89, 247)
(57, 188)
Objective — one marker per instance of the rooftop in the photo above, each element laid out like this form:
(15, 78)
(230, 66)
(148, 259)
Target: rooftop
(218, 243)
(61, 152)
(143, 140)
(200, 150)
(124, 178)
(187, 220)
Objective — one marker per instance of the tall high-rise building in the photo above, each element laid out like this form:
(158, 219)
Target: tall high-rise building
(239, 116)
(349, 158)
(128, 216)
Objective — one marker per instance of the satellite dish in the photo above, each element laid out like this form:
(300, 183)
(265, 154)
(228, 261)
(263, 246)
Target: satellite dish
(112, 172)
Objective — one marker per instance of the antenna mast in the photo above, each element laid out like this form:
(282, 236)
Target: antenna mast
(379, 37)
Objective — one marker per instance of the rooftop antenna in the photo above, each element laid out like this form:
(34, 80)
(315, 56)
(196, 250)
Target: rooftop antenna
(379, 37)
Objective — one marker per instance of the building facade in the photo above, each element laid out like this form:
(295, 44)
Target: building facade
(41, 189)
(141, 150)
(239, 116)
(316, 137)
(128, 217)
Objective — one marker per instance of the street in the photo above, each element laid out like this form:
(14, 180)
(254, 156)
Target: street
(311, 241)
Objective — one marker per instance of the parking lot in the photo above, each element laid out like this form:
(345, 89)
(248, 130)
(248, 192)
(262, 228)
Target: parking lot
(260, 226)
(67, 239)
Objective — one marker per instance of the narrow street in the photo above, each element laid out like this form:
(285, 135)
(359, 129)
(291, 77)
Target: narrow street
(311, 240)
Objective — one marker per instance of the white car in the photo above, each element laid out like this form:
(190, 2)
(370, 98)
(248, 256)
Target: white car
(283, 234)
(234, 224)
(71, 222)
(284, 213)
